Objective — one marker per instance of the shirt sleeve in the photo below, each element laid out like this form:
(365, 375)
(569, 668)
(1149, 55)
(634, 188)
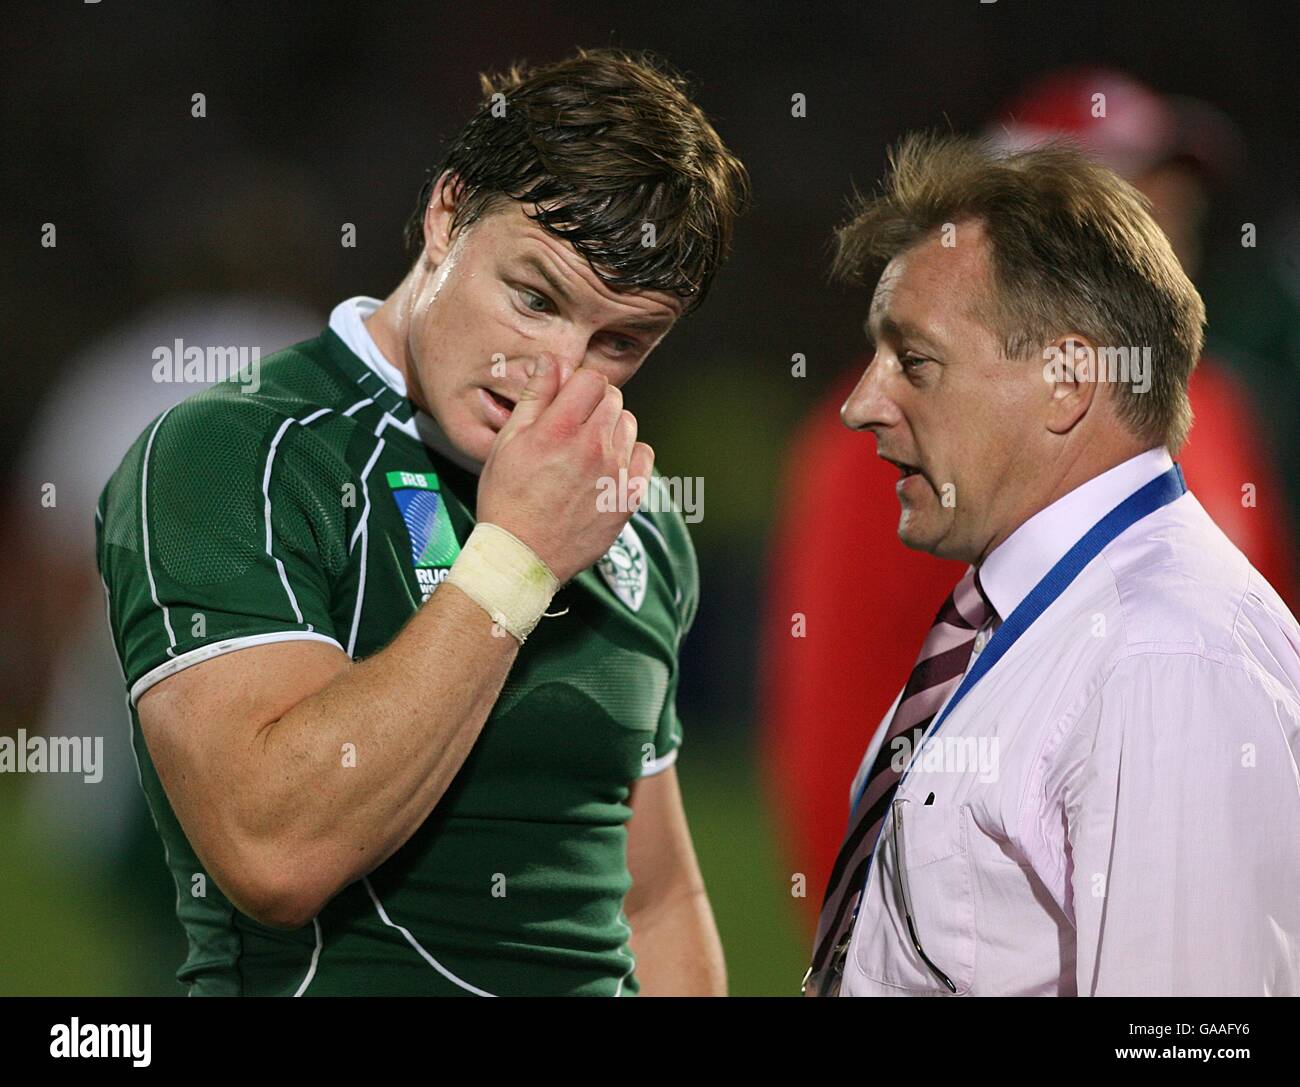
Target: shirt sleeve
(1182, 807)
(220, 531)
(686, 587)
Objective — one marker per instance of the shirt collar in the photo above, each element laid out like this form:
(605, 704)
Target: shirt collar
(1017, 564)
(347, 320)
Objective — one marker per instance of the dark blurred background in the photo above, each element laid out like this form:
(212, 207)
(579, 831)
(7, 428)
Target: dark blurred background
(322, 114)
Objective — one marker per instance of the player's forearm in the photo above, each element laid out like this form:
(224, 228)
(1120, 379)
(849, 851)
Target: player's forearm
(347, 776)
(677, 949)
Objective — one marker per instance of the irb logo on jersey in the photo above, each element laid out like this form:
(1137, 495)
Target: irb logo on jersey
(433, 541)
(624, 569)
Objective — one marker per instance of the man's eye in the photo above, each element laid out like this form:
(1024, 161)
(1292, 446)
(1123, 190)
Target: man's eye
(622, 345)
(911, 362)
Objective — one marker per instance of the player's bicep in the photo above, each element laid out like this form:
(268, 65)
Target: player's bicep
(204, 728)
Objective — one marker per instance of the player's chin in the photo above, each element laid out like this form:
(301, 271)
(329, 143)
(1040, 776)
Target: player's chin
(478, 443)
(472, 435)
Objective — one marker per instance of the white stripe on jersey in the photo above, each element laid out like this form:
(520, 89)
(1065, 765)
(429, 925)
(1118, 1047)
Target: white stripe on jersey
(363, 529)
(144, 525)
(383, 916)
(266, 494)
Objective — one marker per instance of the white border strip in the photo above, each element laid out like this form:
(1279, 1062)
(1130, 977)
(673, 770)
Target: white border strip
(379, 906)
(407, 427)
(266, 494)
(659, 765)
(315, 958)
(144, 526)
(365, 540)
(217, 649)
(625, 949)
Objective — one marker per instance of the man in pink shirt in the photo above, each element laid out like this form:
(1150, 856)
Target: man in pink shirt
(1175, 151)
(1088, 783)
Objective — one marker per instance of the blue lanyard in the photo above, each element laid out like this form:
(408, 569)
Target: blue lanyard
(1146, 500)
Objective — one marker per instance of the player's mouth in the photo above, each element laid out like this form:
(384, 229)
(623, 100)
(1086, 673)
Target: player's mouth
(906, 472)
(498, 407)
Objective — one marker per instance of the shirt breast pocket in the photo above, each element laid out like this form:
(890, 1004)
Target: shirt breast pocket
(925, 870)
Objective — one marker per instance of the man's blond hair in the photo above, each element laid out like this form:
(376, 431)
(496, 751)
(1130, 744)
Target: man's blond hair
(1072, 248)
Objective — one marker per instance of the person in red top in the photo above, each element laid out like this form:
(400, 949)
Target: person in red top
(851, 603)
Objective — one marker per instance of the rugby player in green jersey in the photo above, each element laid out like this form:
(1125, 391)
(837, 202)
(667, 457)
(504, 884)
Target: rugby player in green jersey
(376, 766)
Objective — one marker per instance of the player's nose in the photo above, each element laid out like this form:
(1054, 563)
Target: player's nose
(552, 360)
(567, 351)
(868, 404)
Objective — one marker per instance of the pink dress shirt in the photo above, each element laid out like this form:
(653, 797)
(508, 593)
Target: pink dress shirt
(1116, 804)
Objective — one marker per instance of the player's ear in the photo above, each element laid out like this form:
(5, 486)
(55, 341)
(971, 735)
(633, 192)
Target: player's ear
(437, 219)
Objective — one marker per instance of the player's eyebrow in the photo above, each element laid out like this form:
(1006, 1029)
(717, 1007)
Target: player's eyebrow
(639, 324)
(537, 266)
(648, 324)
(897, 331)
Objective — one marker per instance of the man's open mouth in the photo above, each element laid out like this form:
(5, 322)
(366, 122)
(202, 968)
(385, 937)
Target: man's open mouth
(496, 407)
(502, 402)
(904, 468)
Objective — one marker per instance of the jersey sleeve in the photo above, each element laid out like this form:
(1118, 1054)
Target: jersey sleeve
(222, 529)
(685, 577)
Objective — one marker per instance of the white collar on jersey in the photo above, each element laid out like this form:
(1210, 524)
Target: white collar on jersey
(1017, 564)
(348, 322)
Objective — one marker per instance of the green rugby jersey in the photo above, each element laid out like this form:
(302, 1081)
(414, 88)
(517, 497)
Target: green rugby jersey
(311, 509)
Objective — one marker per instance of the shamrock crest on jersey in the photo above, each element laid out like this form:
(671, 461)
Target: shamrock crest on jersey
(624, 569)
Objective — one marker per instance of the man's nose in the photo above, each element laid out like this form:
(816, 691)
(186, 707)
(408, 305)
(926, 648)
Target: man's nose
(868, 404)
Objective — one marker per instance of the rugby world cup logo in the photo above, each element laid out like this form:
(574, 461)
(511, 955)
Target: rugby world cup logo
(434, 546)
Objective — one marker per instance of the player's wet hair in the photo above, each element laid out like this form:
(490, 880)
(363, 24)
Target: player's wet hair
(1073, 248)
(605, 143)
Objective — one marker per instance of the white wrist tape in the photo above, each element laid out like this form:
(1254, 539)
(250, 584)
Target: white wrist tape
(504, 577)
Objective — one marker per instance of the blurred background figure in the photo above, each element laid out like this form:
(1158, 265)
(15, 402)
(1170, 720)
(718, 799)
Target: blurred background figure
(848, 602)
(64, 677)
(1255, 295)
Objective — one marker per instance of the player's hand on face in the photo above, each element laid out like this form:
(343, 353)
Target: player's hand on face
(544, 474)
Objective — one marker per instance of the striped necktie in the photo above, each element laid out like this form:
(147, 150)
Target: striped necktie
(942, 662)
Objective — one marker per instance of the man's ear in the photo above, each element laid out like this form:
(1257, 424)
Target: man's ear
(1070, 370)
(437, 219)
